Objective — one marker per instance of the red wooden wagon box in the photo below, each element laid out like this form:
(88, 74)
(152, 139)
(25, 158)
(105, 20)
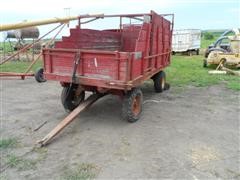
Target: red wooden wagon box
(115, 61)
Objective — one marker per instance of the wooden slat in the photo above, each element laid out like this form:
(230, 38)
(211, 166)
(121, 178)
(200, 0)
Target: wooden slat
(90, 100)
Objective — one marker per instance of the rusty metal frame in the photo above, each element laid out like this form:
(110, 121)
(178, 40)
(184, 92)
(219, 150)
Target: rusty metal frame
(133, 16)
(26, 73)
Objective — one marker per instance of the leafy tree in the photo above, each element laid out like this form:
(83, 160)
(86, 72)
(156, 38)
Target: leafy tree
(208, 36)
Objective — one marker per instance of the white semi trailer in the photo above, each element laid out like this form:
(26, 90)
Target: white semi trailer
(186, 40)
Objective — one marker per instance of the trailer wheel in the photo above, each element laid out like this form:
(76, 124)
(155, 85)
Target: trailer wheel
(71, 98)
(39, 76)
(132, 105)
(159, 80)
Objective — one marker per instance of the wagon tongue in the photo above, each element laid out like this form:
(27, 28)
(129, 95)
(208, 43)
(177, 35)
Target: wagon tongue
(67, 120)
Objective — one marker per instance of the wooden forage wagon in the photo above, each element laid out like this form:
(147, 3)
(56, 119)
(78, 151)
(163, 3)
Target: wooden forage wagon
(115, 61)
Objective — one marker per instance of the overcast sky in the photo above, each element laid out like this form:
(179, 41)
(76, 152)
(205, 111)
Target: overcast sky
(202, 14)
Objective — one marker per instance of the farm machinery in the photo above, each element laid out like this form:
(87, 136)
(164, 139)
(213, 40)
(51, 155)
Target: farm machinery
(28, 29)
(222, 57)
(222, 43)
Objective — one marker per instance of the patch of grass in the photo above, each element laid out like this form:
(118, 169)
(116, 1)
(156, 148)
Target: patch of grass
(234, 85)
(184, 70)
(21, 163)
(7, 46)
(8, 143)
(205, 43)
(81, 172)
(3, 176)
(19, 66)
(216, 34)
(188, 70)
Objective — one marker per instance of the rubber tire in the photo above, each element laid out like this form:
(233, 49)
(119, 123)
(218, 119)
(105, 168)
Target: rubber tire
(39, 76)
(128, 99)
(158, 80)
(67, 97)
(204, 63)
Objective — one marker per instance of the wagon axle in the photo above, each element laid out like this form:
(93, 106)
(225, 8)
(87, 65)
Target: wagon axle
(73, 100)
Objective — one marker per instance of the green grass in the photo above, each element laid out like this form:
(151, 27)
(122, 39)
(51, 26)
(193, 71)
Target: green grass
(7, 46)
(19, 66)
(81, 172)
(205, 43)
(216, 34)
(3, 176)
(21, 163)
(184, 70)
(8, 143)
(188, 70)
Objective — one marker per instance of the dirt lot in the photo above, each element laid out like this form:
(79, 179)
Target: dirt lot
(184, 133)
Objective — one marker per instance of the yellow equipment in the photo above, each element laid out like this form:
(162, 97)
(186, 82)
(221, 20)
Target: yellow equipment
(231, 58)
(25, 24)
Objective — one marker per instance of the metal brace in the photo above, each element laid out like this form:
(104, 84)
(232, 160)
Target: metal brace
(75, 65)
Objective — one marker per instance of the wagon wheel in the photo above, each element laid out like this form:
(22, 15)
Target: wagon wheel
(132, 105)
(71, 97)
(39, 76)
(159, 80)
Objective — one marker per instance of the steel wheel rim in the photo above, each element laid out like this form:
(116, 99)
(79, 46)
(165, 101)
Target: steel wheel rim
(136, 105)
